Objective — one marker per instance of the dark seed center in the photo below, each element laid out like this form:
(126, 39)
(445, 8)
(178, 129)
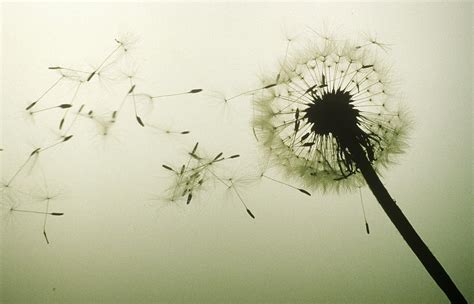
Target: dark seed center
(332, 113)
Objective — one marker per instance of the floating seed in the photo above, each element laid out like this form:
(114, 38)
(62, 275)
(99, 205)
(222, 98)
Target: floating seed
(31, 105)
(270, 86)
(140, 121)
(167, 167)
(35, 151)
(91, 75)
(195, 147)
(218, 155)
(304, 191)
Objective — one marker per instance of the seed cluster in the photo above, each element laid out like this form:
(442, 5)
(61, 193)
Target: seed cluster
(325, 98)
(191, 177)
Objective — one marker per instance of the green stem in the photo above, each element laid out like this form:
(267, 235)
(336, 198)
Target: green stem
(426, 257)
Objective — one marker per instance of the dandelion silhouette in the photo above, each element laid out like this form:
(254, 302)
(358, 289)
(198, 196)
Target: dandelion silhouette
(329, 117)
(190, 178)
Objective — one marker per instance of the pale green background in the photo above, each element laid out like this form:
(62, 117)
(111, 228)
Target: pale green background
(116, 245)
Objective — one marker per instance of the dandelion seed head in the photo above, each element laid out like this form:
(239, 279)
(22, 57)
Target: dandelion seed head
(329, 94)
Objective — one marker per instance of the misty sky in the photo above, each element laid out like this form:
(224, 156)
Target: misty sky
(118, 241)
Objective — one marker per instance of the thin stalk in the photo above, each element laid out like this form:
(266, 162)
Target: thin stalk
(426, 257)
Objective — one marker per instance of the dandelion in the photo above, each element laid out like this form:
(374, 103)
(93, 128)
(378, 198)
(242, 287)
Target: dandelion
(330, 118)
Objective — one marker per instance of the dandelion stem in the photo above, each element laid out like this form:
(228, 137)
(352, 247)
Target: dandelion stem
(421, 250)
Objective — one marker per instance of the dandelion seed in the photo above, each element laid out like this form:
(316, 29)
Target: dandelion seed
(217, 157)
(31, 156)
(140, 121)
(168, 168)
(91, 75)
(304, 191)
(15, 201)
(121, 45)
(61, 106)
(195, 148)
(166, 130)
(193, 91)
(46, 237)
(37, 212)
(251, 91)
(31, 105)
(67, 138)
(286, 184)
